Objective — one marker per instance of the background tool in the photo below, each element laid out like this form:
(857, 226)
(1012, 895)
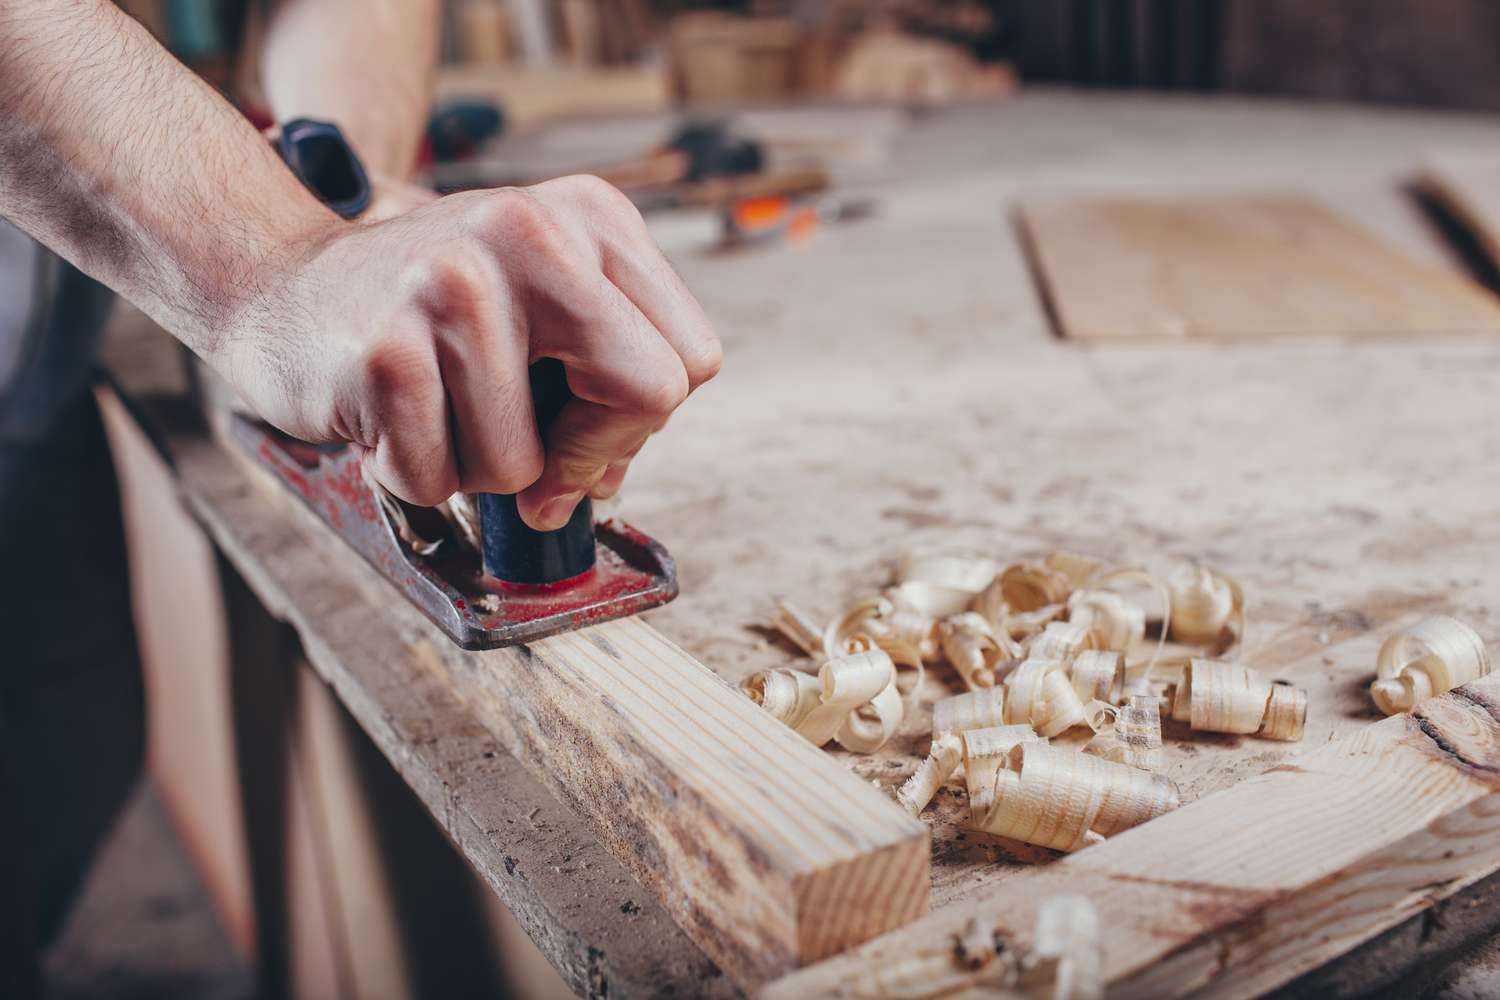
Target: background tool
(492, 583)
(772, 217)
(703, 162)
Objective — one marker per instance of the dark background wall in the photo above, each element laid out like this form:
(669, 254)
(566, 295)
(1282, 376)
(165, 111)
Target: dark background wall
(1437, 53)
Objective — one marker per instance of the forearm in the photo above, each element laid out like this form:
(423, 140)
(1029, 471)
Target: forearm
(367, 65)
(119, 159)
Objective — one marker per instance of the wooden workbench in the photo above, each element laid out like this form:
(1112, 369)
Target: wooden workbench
(894, 384)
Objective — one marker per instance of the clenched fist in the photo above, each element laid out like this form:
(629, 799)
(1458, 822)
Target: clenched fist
(412, 338)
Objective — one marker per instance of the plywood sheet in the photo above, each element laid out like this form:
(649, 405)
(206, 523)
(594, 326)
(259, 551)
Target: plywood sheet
(1277, 265)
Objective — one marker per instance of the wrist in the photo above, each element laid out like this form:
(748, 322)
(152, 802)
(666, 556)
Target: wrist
(254, 296)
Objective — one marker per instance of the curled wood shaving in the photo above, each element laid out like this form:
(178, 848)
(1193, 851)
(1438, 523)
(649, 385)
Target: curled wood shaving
(946, 754)
(1220, 697)
(460, 511)
(1135, 738)
(1286, 714)
(978, 709)
(942, 585)
(1098, 675)
(854, 699)
(1066, 961)
(882, 618)
(789, 695)
(990, 604)
(1076, 569)
(1099, 715)
(909, 667)
(1030, 586)
(396, 514)
(971, 646)
(1059, 641)
(1110, 620)
(1435, 655)
(870, 726)
(985, 753)
(1067, 800)
(1023, 626)
(1038, 693)
(1207, 608)
(797, 627)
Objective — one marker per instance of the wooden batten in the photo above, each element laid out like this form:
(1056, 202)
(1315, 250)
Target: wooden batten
(767, 852)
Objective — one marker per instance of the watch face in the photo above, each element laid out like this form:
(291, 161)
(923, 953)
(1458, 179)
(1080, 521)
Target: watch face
(318, 153)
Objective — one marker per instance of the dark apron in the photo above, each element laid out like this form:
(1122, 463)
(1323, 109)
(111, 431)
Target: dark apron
(71, 703)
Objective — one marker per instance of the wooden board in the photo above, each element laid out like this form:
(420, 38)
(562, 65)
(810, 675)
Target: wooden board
(1272, 265)
(1244, 890)
(766, 852)
(531, 95)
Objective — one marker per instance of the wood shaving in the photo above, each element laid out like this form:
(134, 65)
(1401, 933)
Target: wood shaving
(979, 709)
(881, 618)
(1098, 675)
(1207, 608)
(941, 585)
(985, 753)
(1030, 586)
(395, 513)
(1134, 739)
(1067, 800)
(798, 628)
(460, 511)
(1220, 697)
(853, 699)
(1038, 693)
(1435, 655)
(1110, 620)
(1059, 641)
(946, 754)
(970, 645)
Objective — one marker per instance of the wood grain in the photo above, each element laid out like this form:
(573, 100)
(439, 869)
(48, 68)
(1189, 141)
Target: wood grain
(1274, 265)
(1246, 889)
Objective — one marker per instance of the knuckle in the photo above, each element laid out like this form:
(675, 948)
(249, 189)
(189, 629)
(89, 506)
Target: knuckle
(662, 392)
(704, 362)
(600, 195)
(513, 473)
(395, 368)
(450, 280)
(517, 218)
(426, 483)
(432, 491)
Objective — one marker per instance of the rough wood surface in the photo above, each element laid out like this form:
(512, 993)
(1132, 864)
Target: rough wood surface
(1248, 888)
(894, 384)
(768, 854)
(1243, 266)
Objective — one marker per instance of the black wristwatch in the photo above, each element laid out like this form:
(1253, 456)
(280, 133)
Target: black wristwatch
(322, 159)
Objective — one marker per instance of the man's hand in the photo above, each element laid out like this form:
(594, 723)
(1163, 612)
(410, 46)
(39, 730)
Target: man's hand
(412, 338)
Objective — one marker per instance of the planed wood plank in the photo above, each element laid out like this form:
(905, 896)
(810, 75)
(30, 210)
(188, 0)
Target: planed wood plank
(1278, 265)
(769, 854)
(1248, 888)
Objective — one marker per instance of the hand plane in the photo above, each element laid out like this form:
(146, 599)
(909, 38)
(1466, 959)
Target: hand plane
(494, 583)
